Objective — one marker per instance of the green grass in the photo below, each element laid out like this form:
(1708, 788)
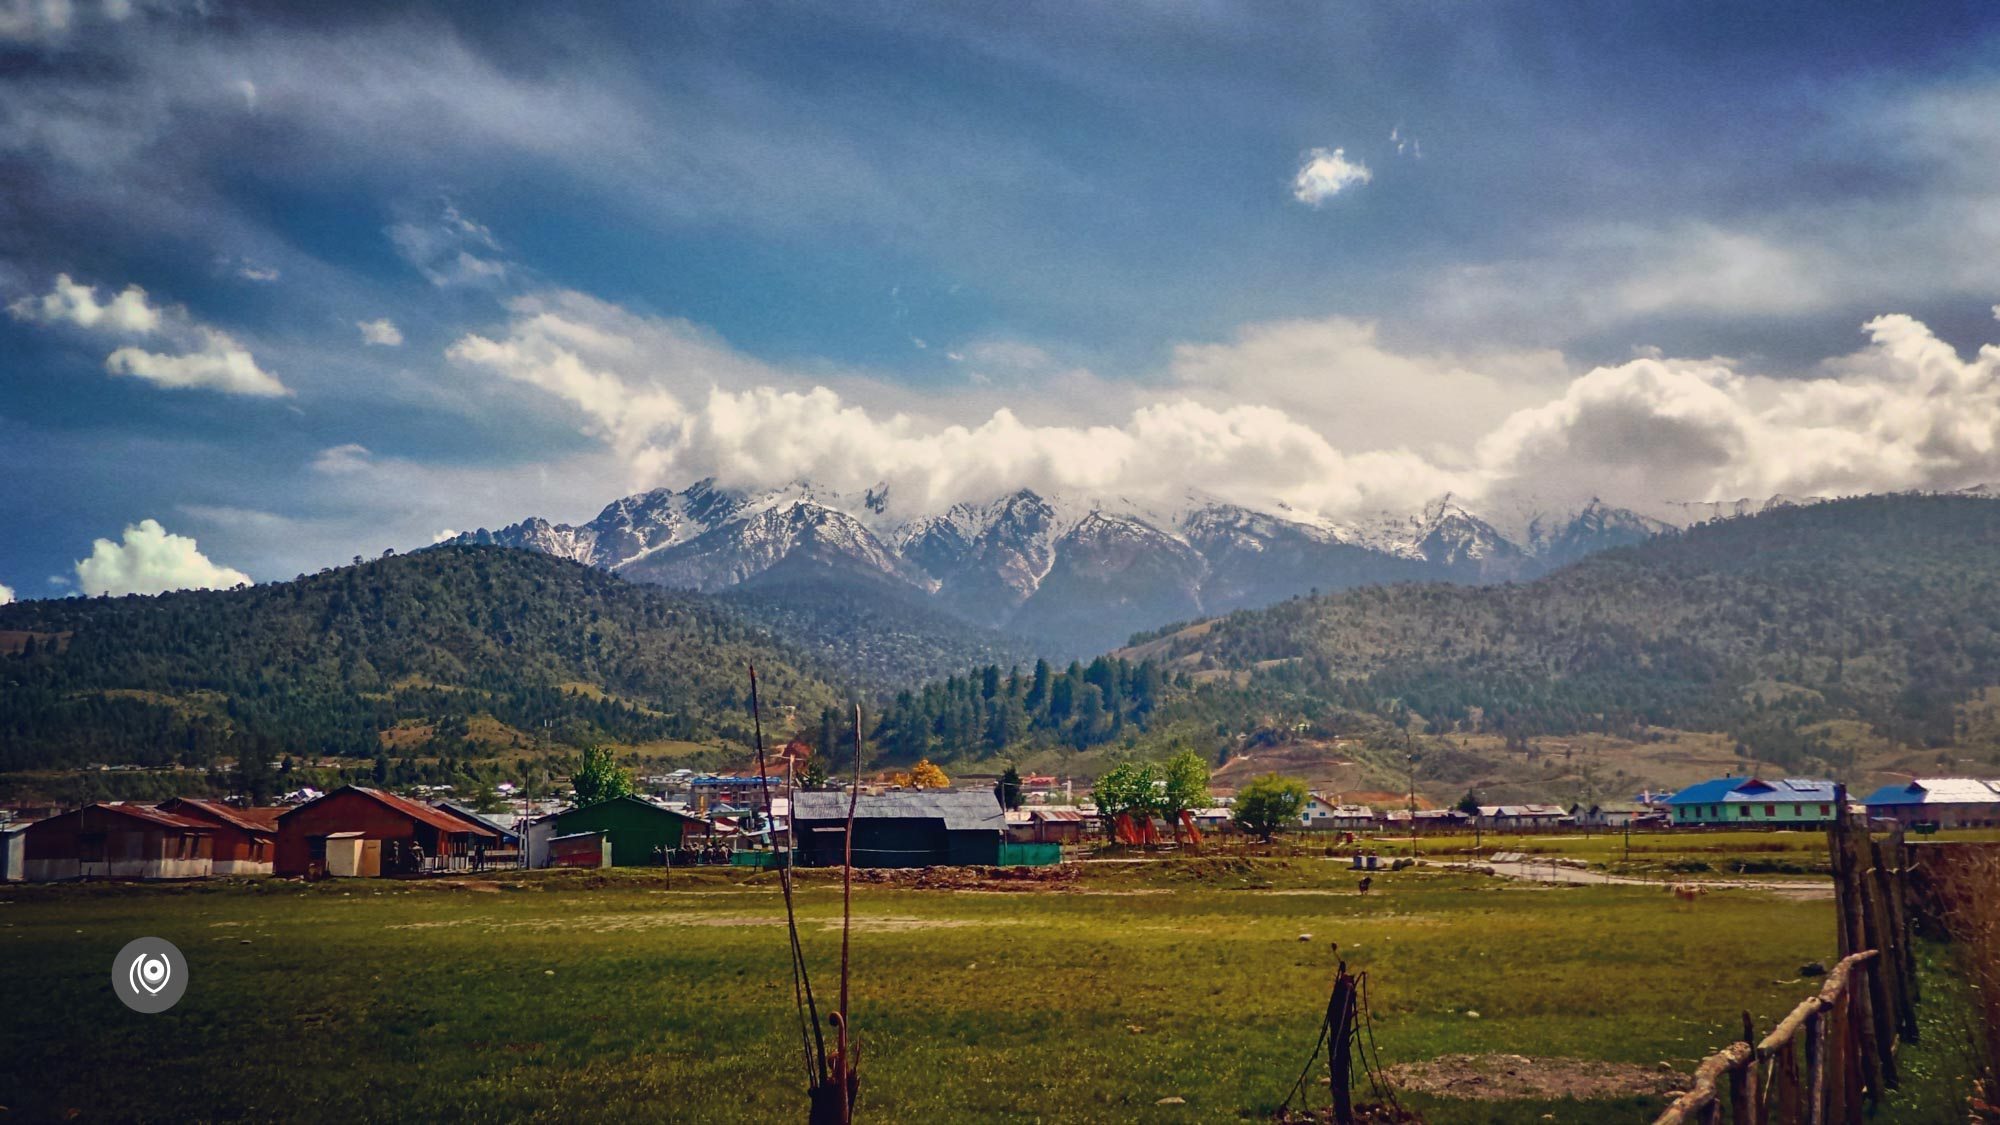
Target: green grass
(1721, 850)
(608, 997)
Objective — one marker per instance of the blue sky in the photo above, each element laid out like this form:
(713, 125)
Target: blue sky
(1338, 257)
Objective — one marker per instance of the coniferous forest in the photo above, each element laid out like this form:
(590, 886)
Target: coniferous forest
(1882, 610)
(325, 663)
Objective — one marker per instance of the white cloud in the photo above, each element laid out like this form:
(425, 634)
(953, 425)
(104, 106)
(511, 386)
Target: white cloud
(1906, 412)
(218, 363)
(340, 459)
(6, 594)
(1338, 376)
(1319, 416)
(676, 403)
(451, 250)
(151, 561)
(382, 332)
(204, 357)
(1325, 174)
(69, 303)
(444, 534)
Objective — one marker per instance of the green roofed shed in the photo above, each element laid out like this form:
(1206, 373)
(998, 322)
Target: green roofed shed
(638, 828)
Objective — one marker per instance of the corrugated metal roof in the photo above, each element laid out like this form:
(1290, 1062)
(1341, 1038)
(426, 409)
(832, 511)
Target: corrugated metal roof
(474, 816)
(1057, 814)
(958, 808)
(409, 808)
(1937, 791)
(153, 816)
(1722, 790)
(239, 818)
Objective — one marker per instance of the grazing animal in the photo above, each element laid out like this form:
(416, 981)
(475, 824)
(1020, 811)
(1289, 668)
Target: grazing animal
(1688, 892)
(1366, 880)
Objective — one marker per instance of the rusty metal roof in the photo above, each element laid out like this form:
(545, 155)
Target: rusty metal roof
(151, 816)
(249, 820)
(418, 812)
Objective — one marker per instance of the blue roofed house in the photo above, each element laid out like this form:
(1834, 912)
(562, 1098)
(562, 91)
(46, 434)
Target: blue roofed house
(1948, 802)
(1754, 802)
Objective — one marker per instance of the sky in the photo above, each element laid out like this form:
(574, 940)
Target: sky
(287, 284)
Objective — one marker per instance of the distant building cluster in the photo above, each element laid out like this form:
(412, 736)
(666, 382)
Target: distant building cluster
(694, 818)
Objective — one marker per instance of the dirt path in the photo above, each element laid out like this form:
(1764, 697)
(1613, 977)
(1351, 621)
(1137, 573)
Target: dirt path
(1558, 873)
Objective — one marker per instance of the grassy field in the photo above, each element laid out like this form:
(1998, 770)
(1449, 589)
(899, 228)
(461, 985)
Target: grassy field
(558, 995)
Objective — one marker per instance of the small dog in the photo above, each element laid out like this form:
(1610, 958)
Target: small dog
(1366, 881)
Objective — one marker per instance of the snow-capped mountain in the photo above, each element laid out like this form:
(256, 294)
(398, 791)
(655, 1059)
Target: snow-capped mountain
(1085, 572)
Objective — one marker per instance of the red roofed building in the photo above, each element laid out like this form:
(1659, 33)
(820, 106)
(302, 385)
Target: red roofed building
(116, 841)
(396, 835)
(246, 840)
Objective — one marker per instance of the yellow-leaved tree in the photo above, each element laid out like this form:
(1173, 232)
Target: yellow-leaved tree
(926, 775)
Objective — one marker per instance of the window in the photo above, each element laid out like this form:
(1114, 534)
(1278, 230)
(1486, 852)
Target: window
(1824, 811)
(316, 848)
(1770, 810)
(90, 847)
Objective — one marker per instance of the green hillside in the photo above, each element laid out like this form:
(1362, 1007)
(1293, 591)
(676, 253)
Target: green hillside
(444, 644)
(1782, 630)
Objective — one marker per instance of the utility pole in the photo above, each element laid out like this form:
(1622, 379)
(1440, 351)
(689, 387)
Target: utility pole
(1413, 792)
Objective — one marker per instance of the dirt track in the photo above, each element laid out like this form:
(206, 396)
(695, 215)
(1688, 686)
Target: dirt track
(1557, 873)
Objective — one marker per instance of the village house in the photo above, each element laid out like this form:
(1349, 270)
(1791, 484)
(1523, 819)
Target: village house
(13, 852)
(117, 841)
(246, 840)
(1440, 820)
(1043, 787)
(1521, 818)
(1332, 814)
(737, 791)
(583, 849)
(505, 851)
(1614, 814)
(371, 832)
(1216, 818)
(641, 832)
(1750, 802)
(1045, 825)
(1943, 802)
(904, 828)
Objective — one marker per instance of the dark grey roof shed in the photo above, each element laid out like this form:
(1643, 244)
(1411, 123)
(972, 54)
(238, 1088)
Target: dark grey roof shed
(905, 828)
(960, 809)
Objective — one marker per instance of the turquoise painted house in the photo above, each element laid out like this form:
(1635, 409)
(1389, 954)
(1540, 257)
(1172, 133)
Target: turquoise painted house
(1752, 802)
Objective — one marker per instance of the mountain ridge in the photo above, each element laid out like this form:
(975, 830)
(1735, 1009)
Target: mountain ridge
(1027, 562)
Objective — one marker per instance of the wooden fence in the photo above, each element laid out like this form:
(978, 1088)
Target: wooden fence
(1849, 1032)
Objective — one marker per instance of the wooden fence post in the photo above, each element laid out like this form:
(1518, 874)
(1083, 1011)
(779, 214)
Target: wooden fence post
(1339, 1053)
(1816, 1068)
(1785, 1084)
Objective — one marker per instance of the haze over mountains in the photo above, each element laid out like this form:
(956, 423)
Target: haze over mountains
(1078, 573)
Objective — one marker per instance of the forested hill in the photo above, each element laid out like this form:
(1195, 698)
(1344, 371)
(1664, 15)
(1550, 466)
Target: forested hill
(1884, 609)
(505, 640)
